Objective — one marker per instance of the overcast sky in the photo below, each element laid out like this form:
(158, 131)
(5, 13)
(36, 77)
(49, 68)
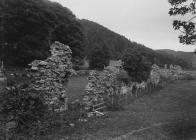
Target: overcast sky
(144, 21)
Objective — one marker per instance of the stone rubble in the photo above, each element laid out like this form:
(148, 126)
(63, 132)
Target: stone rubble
(101, 85)
(3, 79)
(104, 84)
(51, 75)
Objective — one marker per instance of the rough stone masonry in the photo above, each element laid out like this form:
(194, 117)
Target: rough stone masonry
(51, 76)
(2, 78)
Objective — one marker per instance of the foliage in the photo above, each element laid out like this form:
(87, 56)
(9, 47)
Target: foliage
(188, 76)
(36, 105)
(186, 25)
(71, 35)
(118, 44)
(97, 34)
(99, 57)
(29, 26)
(136, 66)
(123, 77)
(21, 105)
(183, 59)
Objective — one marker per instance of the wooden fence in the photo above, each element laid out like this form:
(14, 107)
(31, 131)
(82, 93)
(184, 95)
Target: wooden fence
(99, 107)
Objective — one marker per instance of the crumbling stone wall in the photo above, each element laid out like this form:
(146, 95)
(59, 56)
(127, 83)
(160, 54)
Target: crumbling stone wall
(51, 75)
(154, 76)
(3, 79)
(102, 85)
(106, 86)
(174, 72)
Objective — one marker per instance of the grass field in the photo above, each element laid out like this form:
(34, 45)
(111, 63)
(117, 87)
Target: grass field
(75, 87)
(173, 106)
(168, 114)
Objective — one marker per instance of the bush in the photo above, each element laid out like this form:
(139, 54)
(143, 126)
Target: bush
(123, 77)
(188, 76)
(99, 57)
(22, 106)
(137, 66)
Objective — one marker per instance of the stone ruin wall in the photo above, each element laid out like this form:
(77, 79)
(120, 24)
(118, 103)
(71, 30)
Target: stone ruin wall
(3, 79)
(104, 83)
(51, 76)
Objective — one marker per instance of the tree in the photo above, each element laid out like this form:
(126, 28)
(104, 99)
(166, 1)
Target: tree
(99, 57)
(186, 25)
(71, 35)
(28, 26)
(136, 65)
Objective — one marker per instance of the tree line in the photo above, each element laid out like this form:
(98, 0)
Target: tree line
(28, 27)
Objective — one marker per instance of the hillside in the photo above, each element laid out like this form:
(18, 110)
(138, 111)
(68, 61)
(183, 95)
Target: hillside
(27, 38)
(30, 26)
(188, 57)
(98, 34)
(117, 44)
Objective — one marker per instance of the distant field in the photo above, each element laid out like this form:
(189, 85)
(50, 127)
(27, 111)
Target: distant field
(75, 87)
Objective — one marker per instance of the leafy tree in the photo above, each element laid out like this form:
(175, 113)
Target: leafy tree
(72, 35)
(137, 66)
(117, 44)
(99, 57)
(27, 27)
(186, 25)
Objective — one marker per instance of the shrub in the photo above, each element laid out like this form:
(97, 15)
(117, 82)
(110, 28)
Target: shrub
(187, 76)
(22, 106)
(99, 57)
(123, 76)
(137, 66)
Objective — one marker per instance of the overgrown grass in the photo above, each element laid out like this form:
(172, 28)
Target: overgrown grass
(76, 86)
(173, 105)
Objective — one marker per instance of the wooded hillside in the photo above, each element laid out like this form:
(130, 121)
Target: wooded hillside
(117, 44)
(30, 26)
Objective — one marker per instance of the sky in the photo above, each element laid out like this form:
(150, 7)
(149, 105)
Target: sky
(144, 21)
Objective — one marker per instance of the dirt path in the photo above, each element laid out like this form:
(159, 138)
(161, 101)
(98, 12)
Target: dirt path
(169, 114)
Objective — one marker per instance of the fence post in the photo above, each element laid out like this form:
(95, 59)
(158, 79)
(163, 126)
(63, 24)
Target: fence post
(126, 98)
(7, 134)
(61, 115)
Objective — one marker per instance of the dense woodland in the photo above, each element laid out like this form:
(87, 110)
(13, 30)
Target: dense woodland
(30, 26)
(118, 44)
(188, 57)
